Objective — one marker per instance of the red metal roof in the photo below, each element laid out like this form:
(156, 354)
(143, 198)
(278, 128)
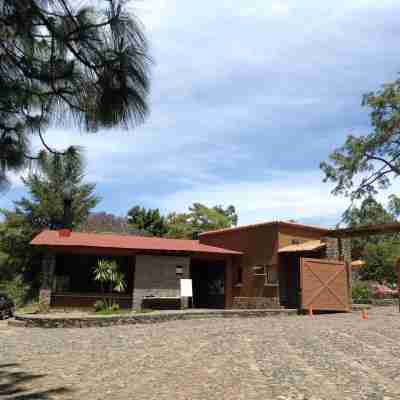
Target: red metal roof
(128, 242)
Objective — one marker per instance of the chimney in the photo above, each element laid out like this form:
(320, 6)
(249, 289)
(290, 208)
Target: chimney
(64, 233)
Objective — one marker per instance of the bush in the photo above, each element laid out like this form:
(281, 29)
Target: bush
(17, 290)
(104, 306)
(361, 293)
(99, 305)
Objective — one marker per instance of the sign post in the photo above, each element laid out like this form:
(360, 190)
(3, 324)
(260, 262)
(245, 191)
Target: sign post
(186, 289)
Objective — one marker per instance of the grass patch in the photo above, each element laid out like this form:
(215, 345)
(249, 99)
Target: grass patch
(113, 312)
(30, 308)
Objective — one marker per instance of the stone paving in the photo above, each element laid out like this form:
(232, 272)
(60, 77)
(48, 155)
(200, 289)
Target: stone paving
(335, 356)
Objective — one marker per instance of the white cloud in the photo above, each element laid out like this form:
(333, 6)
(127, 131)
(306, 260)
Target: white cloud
(283, 195)
(239, 88)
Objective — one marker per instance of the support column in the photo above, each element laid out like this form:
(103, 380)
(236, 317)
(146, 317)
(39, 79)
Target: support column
(228, 282)
(48, 269)
(185, 275)
(349, 284)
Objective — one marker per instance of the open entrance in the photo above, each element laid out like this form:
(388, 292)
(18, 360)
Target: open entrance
(289, 280)
(208, 279)
(289, 271)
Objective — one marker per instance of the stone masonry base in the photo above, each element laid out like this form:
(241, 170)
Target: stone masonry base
(255, 302)
(150, 318)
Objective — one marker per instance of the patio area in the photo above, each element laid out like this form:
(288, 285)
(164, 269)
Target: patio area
(330, 357)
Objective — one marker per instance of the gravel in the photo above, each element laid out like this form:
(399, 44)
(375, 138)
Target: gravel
(332, 356)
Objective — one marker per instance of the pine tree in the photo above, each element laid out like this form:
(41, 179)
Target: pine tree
(43, 209)
(60, 62)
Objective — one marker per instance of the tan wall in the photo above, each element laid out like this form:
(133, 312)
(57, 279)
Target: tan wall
(156, 276)
(288, 234)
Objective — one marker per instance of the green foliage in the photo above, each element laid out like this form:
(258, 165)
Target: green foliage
(380, 261)
(107, 273)
(43, 210)
(60, 60)
(99, 305)
(361, 293)
(113, 309)
(17, 289)
(200, 218)
(149, 221)
(373, 157)
(45, 207)
(378, 251)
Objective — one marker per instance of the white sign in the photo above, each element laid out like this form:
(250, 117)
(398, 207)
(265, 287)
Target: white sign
(186, 288)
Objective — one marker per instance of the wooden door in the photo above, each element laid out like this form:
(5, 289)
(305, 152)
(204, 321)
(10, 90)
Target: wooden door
(324, 285)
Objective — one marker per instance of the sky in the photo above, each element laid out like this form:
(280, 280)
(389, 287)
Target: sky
(247, 98)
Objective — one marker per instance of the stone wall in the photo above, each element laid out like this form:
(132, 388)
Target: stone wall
(255, 302)
(336, 250)
(48, 268)
(156, 276)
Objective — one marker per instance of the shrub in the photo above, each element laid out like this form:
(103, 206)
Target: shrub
(17, 290)
(104, 306)
(361, 293)
(99, 305)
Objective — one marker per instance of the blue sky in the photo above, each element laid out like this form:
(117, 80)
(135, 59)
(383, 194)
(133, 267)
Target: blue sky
(248, 97)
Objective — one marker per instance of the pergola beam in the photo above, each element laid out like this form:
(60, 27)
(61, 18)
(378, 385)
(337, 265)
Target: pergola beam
(366, 230)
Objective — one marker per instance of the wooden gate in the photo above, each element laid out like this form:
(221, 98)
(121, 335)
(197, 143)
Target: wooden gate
(324, 285)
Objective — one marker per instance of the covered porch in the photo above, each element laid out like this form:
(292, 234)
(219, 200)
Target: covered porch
(151, 274)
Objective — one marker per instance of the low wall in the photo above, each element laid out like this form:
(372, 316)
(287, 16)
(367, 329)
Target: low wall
(255, 302)
(149, 318)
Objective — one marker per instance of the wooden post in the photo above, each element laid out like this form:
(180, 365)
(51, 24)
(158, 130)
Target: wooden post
(340, 249)
(349, 284)
(397, 267)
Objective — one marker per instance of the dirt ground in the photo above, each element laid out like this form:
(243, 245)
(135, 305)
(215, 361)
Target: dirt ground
(336, 356)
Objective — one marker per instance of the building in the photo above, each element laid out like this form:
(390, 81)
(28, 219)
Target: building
(266, 265)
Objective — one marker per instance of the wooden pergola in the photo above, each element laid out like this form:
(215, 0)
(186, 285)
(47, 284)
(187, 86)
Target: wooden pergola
(368, 230)
(365, 230)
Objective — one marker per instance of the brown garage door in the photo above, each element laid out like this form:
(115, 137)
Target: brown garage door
(323, 285)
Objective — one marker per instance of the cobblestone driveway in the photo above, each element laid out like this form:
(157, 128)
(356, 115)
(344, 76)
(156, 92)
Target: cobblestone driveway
(330, 357)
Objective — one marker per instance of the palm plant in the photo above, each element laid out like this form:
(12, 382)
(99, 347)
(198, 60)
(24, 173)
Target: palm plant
(106, 272)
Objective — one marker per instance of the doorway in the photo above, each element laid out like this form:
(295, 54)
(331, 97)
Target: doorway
(289, 280)
(208, 279)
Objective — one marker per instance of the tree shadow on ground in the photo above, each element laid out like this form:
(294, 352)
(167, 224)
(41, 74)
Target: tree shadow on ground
(14, 385)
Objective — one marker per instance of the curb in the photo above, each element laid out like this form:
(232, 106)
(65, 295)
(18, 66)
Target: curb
(86, 322)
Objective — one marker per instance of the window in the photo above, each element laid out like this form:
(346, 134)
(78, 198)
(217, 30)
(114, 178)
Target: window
(270, 275)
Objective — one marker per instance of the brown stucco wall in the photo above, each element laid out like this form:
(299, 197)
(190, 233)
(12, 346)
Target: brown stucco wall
(259, 245)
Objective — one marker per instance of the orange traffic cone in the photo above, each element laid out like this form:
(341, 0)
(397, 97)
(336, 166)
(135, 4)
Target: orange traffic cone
(310, 312)
(364, 314)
